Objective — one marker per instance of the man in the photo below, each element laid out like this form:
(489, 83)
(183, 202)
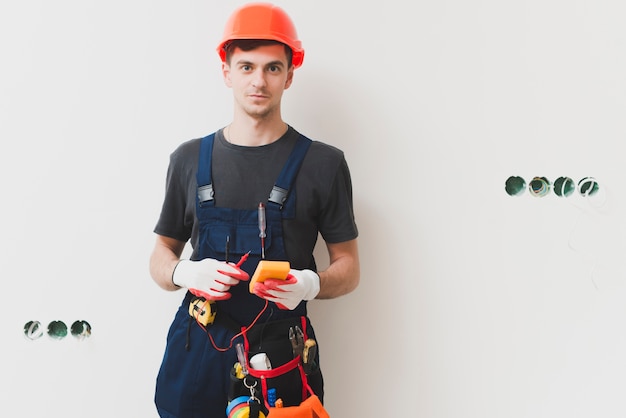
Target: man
(254, 190)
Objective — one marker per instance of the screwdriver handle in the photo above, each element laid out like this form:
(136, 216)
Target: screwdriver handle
(262, 221)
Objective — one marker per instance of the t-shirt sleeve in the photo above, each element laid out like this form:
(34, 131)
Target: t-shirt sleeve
(337, 222)
(176, 218)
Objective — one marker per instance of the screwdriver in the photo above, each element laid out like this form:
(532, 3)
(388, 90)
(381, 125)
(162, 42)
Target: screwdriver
(262, 226)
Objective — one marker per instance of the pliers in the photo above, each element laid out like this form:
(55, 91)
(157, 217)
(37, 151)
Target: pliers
(296, 337)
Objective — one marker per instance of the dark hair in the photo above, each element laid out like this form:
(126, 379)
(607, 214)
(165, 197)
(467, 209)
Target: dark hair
(250, 44)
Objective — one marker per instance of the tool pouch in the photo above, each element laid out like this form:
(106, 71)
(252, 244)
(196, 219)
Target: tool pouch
(286, 378)
(309, 408)
(288, 381)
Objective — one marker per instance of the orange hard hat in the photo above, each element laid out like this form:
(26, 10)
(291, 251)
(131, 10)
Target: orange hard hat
(262, 21)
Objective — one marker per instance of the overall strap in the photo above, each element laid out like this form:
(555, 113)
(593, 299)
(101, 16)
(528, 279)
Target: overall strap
(203, 177)
(287, 176)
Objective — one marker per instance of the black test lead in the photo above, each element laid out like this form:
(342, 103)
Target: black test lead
(262, 226)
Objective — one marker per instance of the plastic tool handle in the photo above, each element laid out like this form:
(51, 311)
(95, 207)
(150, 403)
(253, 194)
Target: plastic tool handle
(262, 221)
(262, 227)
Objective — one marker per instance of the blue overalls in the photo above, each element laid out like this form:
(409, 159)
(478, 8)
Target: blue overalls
(194, 378)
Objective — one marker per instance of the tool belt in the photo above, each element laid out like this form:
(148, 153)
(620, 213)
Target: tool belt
(287, 388)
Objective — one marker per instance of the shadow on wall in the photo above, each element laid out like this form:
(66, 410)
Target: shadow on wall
(328, 108)
(331, 108)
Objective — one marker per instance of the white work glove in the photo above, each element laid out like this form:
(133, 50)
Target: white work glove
(287, 294)
(208, 278)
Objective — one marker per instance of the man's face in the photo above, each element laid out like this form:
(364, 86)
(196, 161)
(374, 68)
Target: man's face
(258, 79)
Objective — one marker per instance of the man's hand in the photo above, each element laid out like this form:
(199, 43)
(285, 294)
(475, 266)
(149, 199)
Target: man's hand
(287, 294)
(208, 278)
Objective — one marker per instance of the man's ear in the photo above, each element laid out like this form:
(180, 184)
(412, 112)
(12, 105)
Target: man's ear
(226, 74)
(289, 78)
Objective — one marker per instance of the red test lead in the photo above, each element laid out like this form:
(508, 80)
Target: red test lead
(242, 259)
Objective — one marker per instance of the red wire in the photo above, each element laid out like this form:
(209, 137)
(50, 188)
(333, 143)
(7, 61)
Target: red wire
(236, 335)
(239, 263)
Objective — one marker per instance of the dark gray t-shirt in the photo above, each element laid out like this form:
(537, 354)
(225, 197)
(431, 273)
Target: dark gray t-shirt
(244, 176)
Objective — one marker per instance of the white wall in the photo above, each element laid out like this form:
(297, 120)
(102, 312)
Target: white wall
(472, 303)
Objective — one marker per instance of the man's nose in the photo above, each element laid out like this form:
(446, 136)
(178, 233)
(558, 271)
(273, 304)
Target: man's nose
(258, 78)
